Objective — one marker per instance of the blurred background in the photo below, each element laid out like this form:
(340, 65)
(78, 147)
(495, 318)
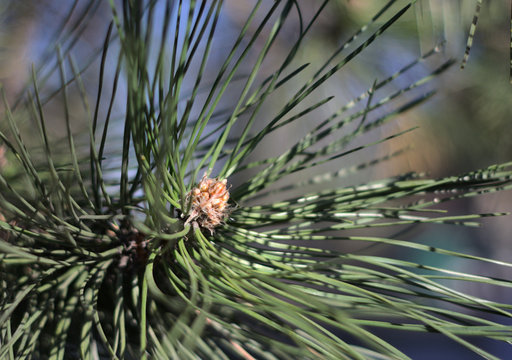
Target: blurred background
(465, 126)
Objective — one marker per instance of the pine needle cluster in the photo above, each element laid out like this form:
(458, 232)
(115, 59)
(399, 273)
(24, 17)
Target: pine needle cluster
(158, 233)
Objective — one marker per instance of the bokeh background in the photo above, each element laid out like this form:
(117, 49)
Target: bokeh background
(465, 126)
